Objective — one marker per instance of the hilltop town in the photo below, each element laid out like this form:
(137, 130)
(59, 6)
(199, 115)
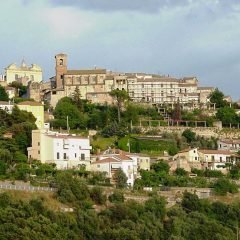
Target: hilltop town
(146, 134)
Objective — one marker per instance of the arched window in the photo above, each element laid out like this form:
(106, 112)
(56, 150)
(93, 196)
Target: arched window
(61, 62)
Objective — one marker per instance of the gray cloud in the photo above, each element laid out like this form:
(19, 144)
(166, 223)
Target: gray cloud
(137, 5)
(119, 5)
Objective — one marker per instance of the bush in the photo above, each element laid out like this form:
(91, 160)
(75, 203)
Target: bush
(97, 195)
(116, 197)
(223, 186)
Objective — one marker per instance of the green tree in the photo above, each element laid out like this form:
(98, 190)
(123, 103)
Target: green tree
(222, 186)
(66, 107)
(97, 195)
(77, 99)
(217, 97)
(189, 135)
(227, 115)
(161, 166)
(3, 94)
(120, 178)
(120, 96)
(116, 197)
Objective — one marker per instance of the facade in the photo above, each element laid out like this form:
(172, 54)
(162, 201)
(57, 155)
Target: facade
(64, 150)
(161, 90)
(215, 159)
(23, 74)
(96, 84)
(202, 159)
(232, 145)
(36, 109)
(110, 161)
(6, 106)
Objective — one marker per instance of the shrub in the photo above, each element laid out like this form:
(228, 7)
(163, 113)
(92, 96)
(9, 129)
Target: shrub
(222, 186)
(97, 195)
(116, 197)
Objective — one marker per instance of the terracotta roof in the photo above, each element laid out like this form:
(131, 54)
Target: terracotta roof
(205, 88)
(5, 103)
(29, 103)
(230, 141)
(209, 151)
(86, 72)
(122, 157)
(106, 160)
(66, 136)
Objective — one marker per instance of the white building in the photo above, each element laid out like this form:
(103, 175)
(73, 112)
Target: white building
(128, 162)
(64, 150)
(232, 145)
(6, 106)
(215, 159)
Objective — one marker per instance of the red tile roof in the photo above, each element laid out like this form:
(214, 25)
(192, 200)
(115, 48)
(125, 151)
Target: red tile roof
(209, 151)
(30, 103)
(106, 160)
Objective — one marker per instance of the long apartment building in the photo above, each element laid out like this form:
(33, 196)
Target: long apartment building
(158, 89)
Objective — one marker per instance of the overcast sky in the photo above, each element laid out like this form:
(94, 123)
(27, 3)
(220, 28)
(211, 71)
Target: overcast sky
(178, 37)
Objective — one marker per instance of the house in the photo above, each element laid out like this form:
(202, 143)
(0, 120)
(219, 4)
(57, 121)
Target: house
(215, 159)
(130, 163)
(232, 145)
(187, 158)
(65, 150)
(6, 106)
(202, 159)
(36, 109)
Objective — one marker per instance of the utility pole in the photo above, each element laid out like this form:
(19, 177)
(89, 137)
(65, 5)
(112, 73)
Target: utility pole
(129, 146)
(237, 232)
(67, 125)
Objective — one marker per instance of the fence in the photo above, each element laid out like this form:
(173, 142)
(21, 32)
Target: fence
(27, 188)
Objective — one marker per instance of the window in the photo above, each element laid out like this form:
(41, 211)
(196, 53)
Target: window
(220, 159)
(38, 143)
(82, 156)
(195, 158)
(61, 62)
(16, 76)
(61, 76)
(75, 155)
(64, 156)
(57, 155)
(98, 166)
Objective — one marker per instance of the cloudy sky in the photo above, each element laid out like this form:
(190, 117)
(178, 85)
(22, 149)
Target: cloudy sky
(176, 37)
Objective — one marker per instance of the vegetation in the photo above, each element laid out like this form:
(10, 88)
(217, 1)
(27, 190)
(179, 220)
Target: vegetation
(3, 94)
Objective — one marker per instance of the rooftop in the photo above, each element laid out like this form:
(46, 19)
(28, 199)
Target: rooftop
(86, 71)
(30, 103)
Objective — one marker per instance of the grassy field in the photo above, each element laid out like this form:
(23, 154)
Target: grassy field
(103, 143)
(49, 198)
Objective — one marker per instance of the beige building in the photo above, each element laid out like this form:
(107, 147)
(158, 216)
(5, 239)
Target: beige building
(161, 90)
(64, 150)
(202, 159)
(37, 109)
(23, 73)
